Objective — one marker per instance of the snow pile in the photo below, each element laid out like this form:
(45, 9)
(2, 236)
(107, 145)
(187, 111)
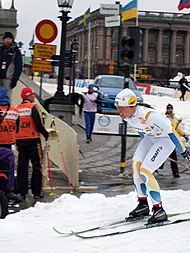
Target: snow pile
(31, 230)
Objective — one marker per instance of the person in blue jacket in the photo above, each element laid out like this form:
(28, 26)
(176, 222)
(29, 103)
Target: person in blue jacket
(10, 63)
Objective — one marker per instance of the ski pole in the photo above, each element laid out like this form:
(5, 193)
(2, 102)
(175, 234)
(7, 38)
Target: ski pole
(81, 153)
(49, 171)
(62, 156)
(181, 164)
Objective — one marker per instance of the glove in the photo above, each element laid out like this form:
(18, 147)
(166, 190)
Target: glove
(186, 137)
(13, 84)
(186, 155)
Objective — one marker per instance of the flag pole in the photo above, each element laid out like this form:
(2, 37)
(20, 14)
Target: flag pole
(135, 65)
(89, 50)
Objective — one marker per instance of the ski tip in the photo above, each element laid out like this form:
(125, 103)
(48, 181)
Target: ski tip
(61, 233)
(56, 230)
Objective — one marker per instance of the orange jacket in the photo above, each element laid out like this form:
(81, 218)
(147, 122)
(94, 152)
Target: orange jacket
(8, 126)
(27, 128)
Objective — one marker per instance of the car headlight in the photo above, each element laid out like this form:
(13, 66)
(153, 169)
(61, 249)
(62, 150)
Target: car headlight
(106, 95)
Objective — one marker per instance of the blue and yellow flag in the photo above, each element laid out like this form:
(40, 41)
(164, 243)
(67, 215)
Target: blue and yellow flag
(83, 20)
(183, 4)
(129, 11)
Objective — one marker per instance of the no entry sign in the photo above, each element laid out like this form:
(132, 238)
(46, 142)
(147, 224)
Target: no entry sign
(46, 31)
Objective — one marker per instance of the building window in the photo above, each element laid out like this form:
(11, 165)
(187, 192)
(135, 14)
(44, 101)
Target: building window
(165, 58)
(166, 39)
(115, 35)
(151, 57)
(114, 55)
(179, 59)
(179, 40)
(152, 38)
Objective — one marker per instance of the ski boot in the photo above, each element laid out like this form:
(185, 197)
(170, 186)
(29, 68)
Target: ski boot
(141, 210)
(159, 215)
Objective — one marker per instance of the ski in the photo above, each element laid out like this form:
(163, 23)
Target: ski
(142, 227)
(105, 226)
(113, 224)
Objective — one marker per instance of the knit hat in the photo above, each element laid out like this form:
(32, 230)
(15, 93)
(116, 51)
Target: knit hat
(26, 92)
(4, 99)
(125, 97)
(91, 86)
(8, 35)
(169, 106)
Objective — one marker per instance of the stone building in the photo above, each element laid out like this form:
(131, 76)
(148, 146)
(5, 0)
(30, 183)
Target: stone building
(8, 20)
(165, 43)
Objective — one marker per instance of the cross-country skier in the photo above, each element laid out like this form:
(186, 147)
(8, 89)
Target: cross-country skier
(183, 87)
(158, 142)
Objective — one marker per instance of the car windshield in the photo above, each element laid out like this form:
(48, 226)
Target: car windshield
(115, 82)
(112, 82)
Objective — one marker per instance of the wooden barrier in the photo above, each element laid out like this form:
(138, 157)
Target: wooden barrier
(68, 143)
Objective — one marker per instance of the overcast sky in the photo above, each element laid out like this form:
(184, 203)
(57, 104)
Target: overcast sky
(31, 12)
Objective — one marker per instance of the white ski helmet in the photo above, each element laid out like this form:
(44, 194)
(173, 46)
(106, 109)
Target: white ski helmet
(125, 97)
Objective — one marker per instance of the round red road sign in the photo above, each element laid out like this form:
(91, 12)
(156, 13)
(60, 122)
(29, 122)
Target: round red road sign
(46, 31)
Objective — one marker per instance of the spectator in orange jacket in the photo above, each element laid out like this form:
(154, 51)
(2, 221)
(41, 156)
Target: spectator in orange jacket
(29, 144)
(9, 122)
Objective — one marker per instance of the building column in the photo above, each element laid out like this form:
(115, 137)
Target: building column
(108, 44)
(187, 49)
(101, 36)
(145, 46)
(82, 48)
(159, 47)
(173, 48)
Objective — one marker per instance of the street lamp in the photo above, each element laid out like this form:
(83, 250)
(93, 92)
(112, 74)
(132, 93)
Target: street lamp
(31, 48)
(169, 54)
(119, 35)
(59, 97)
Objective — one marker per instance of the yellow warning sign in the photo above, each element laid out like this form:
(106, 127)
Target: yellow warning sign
(44, 51)
(42, 66)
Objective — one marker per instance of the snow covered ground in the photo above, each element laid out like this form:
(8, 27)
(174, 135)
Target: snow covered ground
(31, 230)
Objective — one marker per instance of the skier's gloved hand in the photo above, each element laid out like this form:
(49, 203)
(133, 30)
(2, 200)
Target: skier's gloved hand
(186, 155)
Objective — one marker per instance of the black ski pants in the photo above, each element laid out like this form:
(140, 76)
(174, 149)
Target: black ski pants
(31, 153)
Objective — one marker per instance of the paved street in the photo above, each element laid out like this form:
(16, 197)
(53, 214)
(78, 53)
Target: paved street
(100, 165)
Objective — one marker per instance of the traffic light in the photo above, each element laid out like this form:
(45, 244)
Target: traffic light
(130, 46)
(74, 46)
